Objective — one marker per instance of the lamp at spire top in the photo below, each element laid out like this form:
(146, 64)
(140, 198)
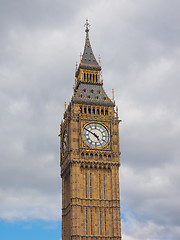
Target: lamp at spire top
(87, 25)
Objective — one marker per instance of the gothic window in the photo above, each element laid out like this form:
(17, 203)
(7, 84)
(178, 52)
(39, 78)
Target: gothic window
(97, 110)
(104, 187)
(86, 183)
(81, 109)
(90, 186)
(91, 223)
(99, 91)
(100, 224)
(105, 220)
(84, 109)
(86, 222)
(92, 90)
(82, 155)
(100, 156)
(89, 110)
(93, 110)
(88, 96)
(81, 95)
(102, 111)
(84, 76)
(84, 90)
(96, 78)
(109, 157)
(91, 155)
(99, 185)
(106, 112)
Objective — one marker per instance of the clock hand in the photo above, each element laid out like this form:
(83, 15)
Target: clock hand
(93, 134)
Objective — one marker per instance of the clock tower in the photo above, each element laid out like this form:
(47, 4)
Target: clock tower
(90, 157)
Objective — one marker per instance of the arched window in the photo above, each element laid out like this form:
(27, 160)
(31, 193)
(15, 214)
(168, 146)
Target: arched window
(106, 112)
(89, 110)
(97, 110)
(102, 111)
(84, 109)
(93, 110)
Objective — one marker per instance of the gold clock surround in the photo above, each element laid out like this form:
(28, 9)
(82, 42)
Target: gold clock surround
(106, 124)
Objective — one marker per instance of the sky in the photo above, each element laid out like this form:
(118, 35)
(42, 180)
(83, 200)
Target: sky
(139, 45)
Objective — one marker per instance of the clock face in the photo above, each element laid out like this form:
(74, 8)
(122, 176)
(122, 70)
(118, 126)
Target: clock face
(95, 135)
(64, 142)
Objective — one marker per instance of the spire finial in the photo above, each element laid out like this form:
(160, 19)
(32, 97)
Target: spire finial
(87, 25)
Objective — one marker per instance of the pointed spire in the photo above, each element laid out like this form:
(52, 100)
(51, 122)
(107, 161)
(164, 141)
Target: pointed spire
(88, 57)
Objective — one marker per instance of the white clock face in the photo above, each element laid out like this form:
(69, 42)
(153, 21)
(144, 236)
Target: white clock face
(95, 135)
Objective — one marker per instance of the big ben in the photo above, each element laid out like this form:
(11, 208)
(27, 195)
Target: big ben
(90, 157)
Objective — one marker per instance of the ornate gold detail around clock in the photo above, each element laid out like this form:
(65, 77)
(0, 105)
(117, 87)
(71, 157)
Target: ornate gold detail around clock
(95, 135)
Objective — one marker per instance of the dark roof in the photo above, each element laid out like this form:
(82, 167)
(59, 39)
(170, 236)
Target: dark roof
(88, 57)
(91, 93)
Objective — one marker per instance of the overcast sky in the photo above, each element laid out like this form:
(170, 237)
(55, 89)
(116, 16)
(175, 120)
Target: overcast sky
(139, 45)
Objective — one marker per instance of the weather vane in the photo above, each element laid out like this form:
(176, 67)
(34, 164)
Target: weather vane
(87, 25)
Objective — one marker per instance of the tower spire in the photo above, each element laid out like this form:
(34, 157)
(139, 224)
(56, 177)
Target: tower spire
(88, 58)
(89, 69)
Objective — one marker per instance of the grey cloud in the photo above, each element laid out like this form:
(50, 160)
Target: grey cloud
(39, 13)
